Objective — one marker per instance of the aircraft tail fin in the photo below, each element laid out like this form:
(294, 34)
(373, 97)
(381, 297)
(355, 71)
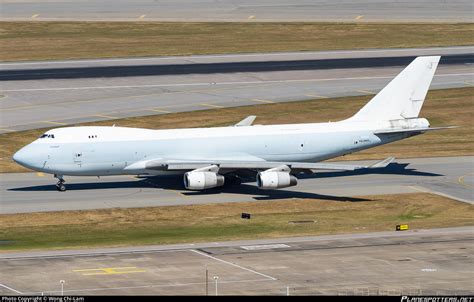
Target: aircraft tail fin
(403, 97)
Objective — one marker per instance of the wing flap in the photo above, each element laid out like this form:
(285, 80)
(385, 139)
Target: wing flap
(174, 165)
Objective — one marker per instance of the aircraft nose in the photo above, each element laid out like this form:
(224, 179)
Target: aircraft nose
(25, 157)
(19, 156)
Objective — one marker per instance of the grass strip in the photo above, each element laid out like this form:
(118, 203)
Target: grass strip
(216, 222)
(79, 40)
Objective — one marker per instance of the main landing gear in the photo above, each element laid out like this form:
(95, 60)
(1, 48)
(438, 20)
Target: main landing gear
(60, 186)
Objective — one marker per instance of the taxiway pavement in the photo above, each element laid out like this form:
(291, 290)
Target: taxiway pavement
(417, 262)
(238, 11)
(28, 192)
(58, 93)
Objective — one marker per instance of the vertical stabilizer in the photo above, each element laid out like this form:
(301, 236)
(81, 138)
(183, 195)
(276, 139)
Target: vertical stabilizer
(403, 97)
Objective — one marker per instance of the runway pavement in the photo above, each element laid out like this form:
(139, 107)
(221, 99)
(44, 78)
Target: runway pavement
(27, 192)
(67, 92)
(240, 10)
(417, 262)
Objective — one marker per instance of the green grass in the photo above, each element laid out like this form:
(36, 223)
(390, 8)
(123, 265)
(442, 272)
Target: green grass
(68, 40)
(215, 222)
(442, 107)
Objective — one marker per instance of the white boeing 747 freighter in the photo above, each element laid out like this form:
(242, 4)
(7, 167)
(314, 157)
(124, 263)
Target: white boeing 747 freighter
(208, 157)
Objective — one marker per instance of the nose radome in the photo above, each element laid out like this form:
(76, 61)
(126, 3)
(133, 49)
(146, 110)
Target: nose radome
(26, 157)
(19, 156)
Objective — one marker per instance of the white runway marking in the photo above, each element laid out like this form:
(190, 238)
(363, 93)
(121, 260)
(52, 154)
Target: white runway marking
(168, 249)
(264, 247)
(429, 270)
(426, 190)
(233, 264)
(213, 84)
(9, 288)
(238, 55)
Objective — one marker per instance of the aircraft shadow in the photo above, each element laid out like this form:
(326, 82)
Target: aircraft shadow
(393, 168)
(88, 186)
(259, 194)
(175, 183)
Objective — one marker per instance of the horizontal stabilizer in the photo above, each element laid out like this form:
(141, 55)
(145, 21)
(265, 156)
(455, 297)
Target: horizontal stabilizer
(413, 130)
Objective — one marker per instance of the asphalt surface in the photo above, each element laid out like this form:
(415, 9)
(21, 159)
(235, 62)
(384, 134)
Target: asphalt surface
(240, 10)
(28, 192)
(418, 262)
(218, 67)
(68, 92)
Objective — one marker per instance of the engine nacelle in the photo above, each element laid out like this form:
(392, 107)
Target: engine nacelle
(202, 180)
(275, 180)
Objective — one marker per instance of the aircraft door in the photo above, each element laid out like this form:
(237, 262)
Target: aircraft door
(302, 145)
(78, 158)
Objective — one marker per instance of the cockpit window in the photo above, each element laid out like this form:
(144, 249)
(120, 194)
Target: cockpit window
(47, 135)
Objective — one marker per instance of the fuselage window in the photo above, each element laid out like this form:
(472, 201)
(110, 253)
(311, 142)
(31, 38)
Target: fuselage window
(47, 135)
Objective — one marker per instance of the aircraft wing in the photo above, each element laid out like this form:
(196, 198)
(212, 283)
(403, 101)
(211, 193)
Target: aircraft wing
(229, 165)
(248, 121)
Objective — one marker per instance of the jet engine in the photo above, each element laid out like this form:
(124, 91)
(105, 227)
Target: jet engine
(276, 178)
(195, 180)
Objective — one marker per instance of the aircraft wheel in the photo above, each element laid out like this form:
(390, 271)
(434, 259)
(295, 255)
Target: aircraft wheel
(61, 187)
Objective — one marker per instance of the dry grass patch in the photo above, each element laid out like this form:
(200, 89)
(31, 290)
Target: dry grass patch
(194, 223)
(73, 40)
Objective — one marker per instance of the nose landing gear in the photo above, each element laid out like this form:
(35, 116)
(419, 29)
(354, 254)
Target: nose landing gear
(60, 186)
